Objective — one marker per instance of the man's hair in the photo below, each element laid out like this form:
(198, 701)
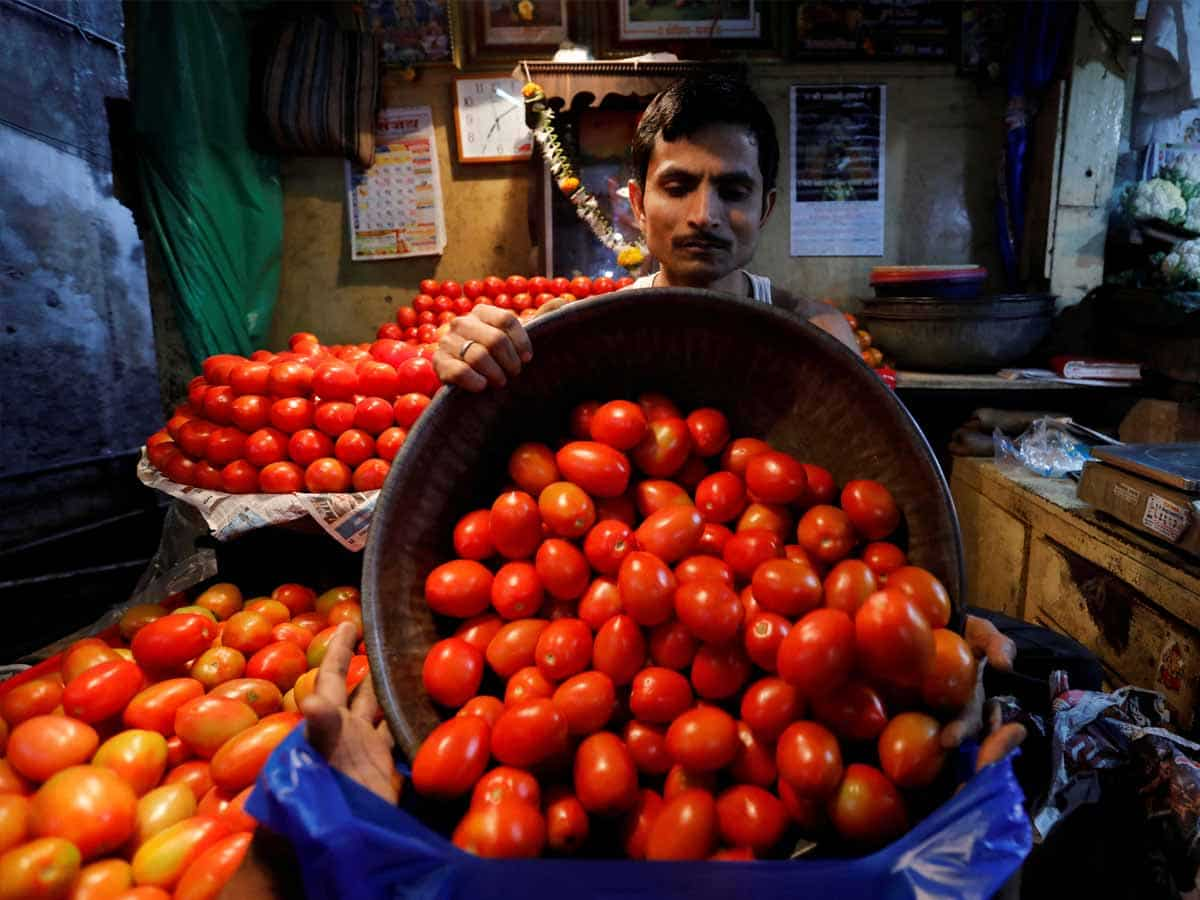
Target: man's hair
(694, 102)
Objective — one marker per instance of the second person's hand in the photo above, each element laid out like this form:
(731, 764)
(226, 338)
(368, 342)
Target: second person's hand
(485, 347)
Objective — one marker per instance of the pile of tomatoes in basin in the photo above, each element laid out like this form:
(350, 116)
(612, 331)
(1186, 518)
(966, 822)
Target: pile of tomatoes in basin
(667, 643)
(125, 764)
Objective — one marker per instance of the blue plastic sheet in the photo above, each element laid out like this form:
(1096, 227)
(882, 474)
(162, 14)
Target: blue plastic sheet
(352, 844)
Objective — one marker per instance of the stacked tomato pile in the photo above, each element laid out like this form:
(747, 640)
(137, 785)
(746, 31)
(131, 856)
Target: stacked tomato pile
(440, 301)
(652, 652)
(314, 418)
(130, 764)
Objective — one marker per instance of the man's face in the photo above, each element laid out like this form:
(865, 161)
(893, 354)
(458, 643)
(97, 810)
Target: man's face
(702, 207)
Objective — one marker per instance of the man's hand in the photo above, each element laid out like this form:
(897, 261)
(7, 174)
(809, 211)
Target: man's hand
(345, 734)
(485, 347)
(990, 648)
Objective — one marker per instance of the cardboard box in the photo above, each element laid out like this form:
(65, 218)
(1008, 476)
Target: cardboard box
(1168, 514)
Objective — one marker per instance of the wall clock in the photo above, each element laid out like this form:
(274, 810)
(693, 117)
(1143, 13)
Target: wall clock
(489, 114)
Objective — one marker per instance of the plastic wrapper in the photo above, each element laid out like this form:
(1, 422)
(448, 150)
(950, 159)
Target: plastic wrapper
(1043, 449)
(344, 517)
(351, 844)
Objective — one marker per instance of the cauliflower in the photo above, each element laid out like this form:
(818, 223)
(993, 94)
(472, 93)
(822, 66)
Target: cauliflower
(1186, 167)
(1159, 199)
(1181, 267)
(1193, 215)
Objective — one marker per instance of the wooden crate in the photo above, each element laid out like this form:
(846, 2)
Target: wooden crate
(1034, 550)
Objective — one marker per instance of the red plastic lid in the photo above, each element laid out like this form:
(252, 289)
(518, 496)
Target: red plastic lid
(909, 274)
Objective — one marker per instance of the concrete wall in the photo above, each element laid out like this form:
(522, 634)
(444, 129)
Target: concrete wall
(943, 139)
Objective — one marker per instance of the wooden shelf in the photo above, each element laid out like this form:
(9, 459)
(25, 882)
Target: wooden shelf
(946, 381)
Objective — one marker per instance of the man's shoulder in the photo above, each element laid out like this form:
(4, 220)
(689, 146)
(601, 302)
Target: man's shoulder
(798, 304)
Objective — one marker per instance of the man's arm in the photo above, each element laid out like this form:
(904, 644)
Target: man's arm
(828, 318)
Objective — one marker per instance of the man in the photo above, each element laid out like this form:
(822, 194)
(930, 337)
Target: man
(705, 162)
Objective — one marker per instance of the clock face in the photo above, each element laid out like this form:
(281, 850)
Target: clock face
(491, 120)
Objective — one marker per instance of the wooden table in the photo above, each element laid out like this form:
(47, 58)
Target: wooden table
(1037, 552)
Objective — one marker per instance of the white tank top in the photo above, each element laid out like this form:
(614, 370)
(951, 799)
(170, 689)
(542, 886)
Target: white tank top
(760, 285)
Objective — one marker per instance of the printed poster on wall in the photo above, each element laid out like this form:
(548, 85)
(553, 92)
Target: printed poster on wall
(837, 171)
(395, 207)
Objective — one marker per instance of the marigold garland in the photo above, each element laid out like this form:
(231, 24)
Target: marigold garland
(630, 253)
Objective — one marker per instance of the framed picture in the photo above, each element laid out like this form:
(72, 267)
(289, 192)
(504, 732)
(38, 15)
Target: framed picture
(495, 30)
(411, 32)
(641, 20)
(489, 119)
(692, 29)
(874, 29)
(601, 138)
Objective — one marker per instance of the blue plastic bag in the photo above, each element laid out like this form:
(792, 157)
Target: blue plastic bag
(352, 844)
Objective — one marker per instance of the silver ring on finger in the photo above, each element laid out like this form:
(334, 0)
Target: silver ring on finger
(462, 352)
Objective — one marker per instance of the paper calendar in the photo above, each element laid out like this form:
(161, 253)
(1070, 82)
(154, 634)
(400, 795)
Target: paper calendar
(395, 207)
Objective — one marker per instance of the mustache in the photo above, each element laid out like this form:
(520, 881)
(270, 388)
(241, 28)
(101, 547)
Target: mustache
(699, 237)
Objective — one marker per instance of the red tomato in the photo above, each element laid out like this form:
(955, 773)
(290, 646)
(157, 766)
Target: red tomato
(581, 286)
(11, 781)
(647, 588)
(769, 706)
(532, 468)
(562, 568)
(950, 680)
(597, 468)
(739, 452)
(910, 750)
(925, 591)
(658, 407)
(821, 487)
(505, 784)
(290, 379)
(720, 497)
(171, 641)
(43, 745)
(619, 650)
(370, 475)
(516, 525)
(327, 476)
(516, 284)
(195, 775)
(220, 664)
(659, 695)
(261, 696)
(713, 539)
(473, 535)
(528, 733)
(854, 712)
(408, 408)
(354, 447)
(511, 830)
(709, 430)
(280, 663)
(372, 415)
(154, 708)
(883, 558)
(416, 376)
(893, 639)
(600, 602)
(513, 646)
(703, 739)
(194, 435)
(586, 701)
(619, 424)
(748, 816)
(237, 763)
(89, 806)
(566, 509)
(762, 636)
(806, 812)
(564, 648)
(247, 631)
(46, 867)
(817, 655)
(664, 449)
(566, 822)
(527, 684)
(251, 412)
(517, 591)
(848, 584)
(333, 417)
(867, 808)
(606, 780)
(307, 446)
(281, 478)
(334, 380)
(36, 697)
(710, 609)
(680, 779)
(747, 550)
(720, 671)
(635, 830)
(871, 509)
(239, 477)
(775, 477)
(102, 880)
(619, 509)
(647, 745)
(774, 518)
(607, 545)
(826, 534)
(785, 587)
(218, 405)
(654, 495)
(139, 757)
(460, 588)
(162, 860)
(673, 645)
(671, 533)
(102, 691)
(685, 828)
(485, 707)
(755, 759)
(695, 568)
(809, 759)
(214, 868)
